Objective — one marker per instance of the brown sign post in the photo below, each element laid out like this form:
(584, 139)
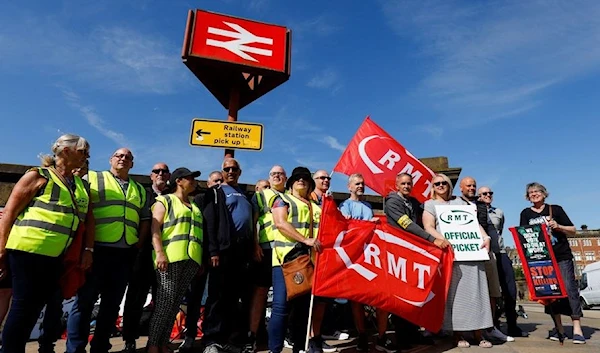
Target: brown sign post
(237, 60)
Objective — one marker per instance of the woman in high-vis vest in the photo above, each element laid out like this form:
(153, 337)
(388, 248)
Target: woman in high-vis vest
(296, 225)
(177, 240)
(40, 219)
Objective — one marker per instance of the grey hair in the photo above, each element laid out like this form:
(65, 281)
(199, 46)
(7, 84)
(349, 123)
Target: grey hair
(400, 175)
(230, 160)
(355, 175)
(67, 140)
(538, 186)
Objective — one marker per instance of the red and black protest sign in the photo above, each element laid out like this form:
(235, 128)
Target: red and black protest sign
(539, 263)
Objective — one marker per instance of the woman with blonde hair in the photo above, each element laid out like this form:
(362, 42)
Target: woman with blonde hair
(468, 302)
(39, 222)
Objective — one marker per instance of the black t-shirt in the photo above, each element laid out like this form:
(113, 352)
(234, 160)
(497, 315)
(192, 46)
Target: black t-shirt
(560, 243)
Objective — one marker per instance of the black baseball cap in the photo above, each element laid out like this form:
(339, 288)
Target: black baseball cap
(182, 173)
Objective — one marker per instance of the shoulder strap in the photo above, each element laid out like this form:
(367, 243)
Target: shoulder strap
(66, 184)
(310, 212)
(550, 210)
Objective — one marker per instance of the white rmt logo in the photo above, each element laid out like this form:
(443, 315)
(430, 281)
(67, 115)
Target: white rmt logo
(238, 45)
(389, 160)
(397, 266)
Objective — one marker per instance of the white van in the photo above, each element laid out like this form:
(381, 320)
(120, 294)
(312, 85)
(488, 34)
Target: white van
(590, 285)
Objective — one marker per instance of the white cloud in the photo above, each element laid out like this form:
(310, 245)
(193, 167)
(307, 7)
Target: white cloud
(326, 79)
(322, 25)
(492, 61)
(117, 58)
(333, 143)
(94, 119)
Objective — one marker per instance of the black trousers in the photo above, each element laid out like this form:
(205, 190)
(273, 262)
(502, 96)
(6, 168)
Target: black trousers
(229, 288)
(509, 289)
(142, 278)
(194, 302)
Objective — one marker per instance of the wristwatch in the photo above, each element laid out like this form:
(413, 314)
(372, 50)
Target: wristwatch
(89, 249)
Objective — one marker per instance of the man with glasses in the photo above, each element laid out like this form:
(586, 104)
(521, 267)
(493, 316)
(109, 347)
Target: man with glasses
(229, 249)
(143, 276)
(122, 218)
(504, 265)
(317, 344)
(468, 188)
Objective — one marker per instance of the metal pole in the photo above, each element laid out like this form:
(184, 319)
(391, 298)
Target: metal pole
(234, 105)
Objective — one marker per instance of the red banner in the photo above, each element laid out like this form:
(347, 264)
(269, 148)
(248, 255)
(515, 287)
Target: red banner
(382, 266)
(379, 158)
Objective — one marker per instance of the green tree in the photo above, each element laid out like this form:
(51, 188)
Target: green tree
(519, 275)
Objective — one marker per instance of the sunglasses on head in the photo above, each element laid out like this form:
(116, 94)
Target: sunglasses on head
(231, 169)
(158, 171)
(438, 183)
(487, 193)
(324, 177)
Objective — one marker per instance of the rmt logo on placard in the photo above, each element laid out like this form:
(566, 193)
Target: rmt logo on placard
(457, 217)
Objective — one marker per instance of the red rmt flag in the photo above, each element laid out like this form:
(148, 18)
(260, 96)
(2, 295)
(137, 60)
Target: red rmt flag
(379, 158)
(382, 266)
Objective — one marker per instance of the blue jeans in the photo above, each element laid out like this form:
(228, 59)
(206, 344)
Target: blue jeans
(279, 315)
(35, 281)
(571, 305)
(109, 277)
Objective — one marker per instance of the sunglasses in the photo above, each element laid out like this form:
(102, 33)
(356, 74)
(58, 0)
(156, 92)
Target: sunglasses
(438, 183)
(218, 181)
(323, 177)
(231, 169)
(487, 193)
(158, 171)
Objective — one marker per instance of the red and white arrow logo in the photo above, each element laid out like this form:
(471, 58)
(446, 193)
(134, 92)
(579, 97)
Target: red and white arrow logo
(238, 45)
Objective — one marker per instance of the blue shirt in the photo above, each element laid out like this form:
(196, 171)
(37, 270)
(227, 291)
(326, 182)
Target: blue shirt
(240, 209)
(356, 209)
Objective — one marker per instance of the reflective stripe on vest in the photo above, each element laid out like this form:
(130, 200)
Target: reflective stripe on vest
(299, 217)
(265, 217)
(116, 213)
(46, 226)
(182, 233)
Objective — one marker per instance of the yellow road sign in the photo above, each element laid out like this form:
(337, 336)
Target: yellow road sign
(226, 134)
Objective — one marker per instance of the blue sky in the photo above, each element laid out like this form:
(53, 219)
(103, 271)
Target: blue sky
(508, 90)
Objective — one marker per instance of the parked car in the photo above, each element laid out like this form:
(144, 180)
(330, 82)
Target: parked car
(590, 285)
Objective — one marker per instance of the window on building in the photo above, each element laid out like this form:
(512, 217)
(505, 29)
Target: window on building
(573, 242)
(587, 242)
(579, 270)
(598, 242)
(577, 255)
(590, 256)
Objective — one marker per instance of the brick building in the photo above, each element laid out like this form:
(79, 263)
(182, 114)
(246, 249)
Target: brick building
(585, 246)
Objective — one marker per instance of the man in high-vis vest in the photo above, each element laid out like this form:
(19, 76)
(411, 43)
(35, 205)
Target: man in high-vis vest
(261, 268)
(122, 215)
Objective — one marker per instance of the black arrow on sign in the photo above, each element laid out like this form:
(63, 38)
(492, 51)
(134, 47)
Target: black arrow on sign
(199, 134)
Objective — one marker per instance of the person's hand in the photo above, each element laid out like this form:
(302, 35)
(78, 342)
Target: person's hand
(552, 224)
(486, 243)
(258, 254)
(313, 243)
(161, 261)
(87, 258)
(374, 220)
(214, 261)
(441, 243)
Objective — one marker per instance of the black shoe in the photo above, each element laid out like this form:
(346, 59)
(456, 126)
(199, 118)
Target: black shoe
(129, 347)
(315, 345)
(187, 344)
(250, 345)
(419, 339)
(363, 343)
(384, 344)
(516, 332)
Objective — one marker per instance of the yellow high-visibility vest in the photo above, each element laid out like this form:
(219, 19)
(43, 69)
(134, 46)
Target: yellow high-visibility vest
(47, 225)
(116, 213)
(182, 234)
(299, 218)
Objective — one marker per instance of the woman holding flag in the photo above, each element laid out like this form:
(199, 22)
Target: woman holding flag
(296, 218)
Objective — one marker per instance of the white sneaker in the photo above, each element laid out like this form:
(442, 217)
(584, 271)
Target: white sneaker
(497, 335)
(337, 335)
